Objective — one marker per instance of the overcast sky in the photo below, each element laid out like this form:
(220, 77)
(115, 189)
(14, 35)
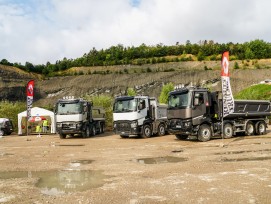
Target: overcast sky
(41, 31)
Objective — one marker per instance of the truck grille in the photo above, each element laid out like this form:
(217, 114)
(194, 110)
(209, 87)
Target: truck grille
(123, 127)
(175, 122)
(68, 126)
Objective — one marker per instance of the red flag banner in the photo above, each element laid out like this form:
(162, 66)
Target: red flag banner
(29, 95)
(228, 101)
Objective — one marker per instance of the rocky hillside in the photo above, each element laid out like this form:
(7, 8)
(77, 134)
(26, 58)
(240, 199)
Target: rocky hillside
(13, 82)
(147, 79)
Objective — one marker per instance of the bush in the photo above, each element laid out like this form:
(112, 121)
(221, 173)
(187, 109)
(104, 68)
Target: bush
(163, 98)
(131, 92)
(11, 110)
(107, 103)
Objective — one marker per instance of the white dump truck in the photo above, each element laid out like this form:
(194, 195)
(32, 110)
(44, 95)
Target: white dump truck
(78, 117)
(139, 115)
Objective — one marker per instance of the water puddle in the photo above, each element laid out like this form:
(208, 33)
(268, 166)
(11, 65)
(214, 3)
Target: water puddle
(62, 181)
(177, 151)
(245, 159)
(160, 160)
(73, 145)
(5, 154)
(78, 163)
(242, 152)
(83, 161)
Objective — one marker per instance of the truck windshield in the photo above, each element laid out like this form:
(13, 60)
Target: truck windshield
(69, 108)
(179, 100)
(125, 105)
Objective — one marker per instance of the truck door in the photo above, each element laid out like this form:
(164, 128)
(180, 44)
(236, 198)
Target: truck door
(199, 107)
(142, 111)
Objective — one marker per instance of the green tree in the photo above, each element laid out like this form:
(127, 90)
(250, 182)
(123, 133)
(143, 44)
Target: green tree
(163, 98)
(131, 92)
(106, 102)
(236, 65)
(11, 110)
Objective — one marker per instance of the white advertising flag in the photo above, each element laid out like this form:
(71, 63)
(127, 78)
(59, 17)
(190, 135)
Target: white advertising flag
(228, 101)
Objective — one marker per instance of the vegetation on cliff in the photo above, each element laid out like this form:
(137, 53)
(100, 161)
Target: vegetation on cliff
(143, 54)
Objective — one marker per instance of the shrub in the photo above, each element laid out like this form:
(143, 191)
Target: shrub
(106, 102)
(163, 98)
(131, 92)
(11, 110)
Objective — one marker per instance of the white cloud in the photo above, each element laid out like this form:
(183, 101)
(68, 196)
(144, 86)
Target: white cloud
(49, 30)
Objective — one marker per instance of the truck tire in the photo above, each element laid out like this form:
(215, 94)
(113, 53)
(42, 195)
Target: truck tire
(161, 129)
(62, 136)
(87, 132)
(182, 136)
(260, 128)
(204, 133)
(250, 129)
(227, 131)
(147, 132)
(93, 131)
(102, 128)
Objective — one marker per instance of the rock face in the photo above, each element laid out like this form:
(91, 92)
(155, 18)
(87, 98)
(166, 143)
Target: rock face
(47, 91)
(13, 83)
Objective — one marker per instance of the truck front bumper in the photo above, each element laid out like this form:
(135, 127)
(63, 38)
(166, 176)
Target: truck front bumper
(177, 126)
(125, 129)
(71, 128)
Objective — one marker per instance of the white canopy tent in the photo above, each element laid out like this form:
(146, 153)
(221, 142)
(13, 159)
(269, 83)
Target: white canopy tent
(36, 111)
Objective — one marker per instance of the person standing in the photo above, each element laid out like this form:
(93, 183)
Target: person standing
(38, 130)
(45, 126)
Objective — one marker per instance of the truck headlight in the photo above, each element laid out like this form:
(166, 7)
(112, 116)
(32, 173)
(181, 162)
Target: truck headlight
(134, 124)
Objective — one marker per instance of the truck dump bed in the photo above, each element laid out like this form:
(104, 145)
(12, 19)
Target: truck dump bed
(250, 109)
(98, 113)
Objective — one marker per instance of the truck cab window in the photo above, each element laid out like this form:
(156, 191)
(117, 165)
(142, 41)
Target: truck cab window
(142, 105)
(199, 99)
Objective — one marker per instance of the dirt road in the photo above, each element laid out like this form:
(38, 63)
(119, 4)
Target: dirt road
(108, 169)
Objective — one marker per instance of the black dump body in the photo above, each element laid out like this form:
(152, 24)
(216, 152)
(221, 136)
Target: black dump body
(250, 109)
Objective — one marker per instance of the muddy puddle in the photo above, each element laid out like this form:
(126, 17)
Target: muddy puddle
(245, 159)
(61, 181)
(160, 160)
(244, 152)
(70, 145)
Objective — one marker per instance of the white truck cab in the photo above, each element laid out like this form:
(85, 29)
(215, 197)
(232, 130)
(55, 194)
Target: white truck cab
(139, 115)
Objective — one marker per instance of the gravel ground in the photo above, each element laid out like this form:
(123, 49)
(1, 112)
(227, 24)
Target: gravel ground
(108, 169)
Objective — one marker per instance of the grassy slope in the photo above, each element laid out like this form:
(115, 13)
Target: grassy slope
(255, 92)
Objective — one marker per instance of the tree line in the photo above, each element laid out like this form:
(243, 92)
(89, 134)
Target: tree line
(143, 54)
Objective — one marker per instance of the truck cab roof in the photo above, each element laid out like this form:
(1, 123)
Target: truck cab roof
(186, 89)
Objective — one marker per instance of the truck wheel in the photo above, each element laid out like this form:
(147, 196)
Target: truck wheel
(227, 131)
(62, 136)
(87, 132)
(181, 136)
(93, 130)
(102, 128)
(146, 131)
(249, 128)
(204, 133)
(161, 129)
(260, 128)
(2, 133)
